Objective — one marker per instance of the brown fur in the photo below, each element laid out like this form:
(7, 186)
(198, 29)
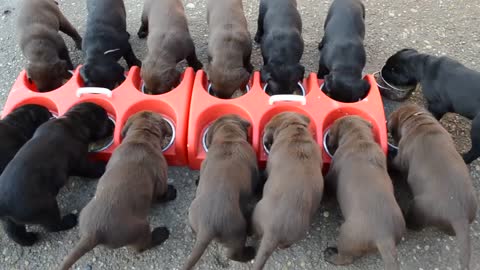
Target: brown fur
(373, 219)
(228, 177)
(42, 45)
(169, 42)
(136, 176)
(229, 47)
(294, 187)
(442, 187)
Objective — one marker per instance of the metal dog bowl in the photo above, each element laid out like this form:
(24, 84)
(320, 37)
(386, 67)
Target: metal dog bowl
(325, 146)
(265, 148)
(209, 89)
(142, 88)
(391, 91)
(172, 140)
(304, 93)
(204, 139)
(106, 145)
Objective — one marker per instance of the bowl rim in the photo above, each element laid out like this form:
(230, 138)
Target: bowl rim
(391, 86)
(209, 88)
(325, 146)
(299, 83)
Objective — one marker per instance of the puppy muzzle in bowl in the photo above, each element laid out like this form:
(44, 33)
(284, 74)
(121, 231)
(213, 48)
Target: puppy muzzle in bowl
(104, 143)
(299, 86)
(325, 143)
(392, 92)
(237, 93)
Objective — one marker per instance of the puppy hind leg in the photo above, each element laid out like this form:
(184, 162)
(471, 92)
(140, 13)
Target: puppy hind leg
(237, 251)
(322, 70)
(143, 31)
(130, 58)
(19, 234)
(53, 222)
(414, 218)
(342, 254)
(88, 168)
(148, 239)
(170, 195)
(67, 28)
(261, 16)
(193, 61)
(474, 151)
(437, 109)
(65, 55)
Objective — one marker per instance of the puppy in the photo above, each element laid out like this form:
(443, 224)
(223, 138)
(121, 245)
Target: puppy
(443, 193)
(168, 44)
(294, 187)
(343, 55)
(373, 219)
(42, 45)
(229, 47)
(31, 181)
(280, 34)
(106, 41)
(17, 128)
(228, 177)
(447, 86)
(136, 176)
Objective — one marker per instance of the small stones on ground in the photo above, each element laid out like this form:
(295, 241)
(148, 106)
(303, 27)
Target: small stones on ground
(190, 5)
(326, 214)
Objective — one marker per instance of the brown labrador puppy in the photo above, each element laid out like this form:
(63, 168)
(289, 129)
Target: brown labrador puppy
(294, 187)
(136, 176)
(373, 219)
(228, 176)
(42, 45)
(169, 42)
(442, 187)
(229, 47)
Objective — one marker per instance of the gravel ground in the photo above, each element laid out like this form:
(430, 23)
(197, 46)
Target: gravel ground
(438, 27)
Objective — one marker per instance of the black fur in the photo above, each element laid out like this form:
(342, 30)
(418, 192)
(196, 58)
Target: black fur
(106, 31)
(343, 55)
(31, 181)
(280, 34)
(447, 85)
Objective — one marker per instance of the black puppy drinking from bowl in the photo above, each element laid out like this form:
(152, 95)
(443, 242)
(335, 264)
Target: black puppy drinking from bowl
(31, 181)
(447, 85)
(280, 34)
(105, 42)
(17, 128)
(343, 55)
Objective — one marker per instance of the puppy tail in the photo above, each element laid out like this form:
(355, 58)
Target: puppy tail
(462, 231)
(85, 245)
(199, 248)
(388, 251)
(267, 246)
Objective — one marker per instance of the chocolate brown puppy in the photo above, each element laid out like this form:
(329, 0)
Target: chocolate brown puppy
(358, 174)
(229, 47)
(443, 193)
(136, 176)
(42, 45)
(294, 187)
(169, 42)
(228, 176)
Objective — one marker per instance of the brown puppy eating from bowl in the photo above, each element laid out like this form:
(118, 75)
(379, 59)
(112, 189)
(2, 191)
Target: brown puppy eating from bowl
(42, 45)
(136, 176)
(228, 176)
(443, 193)
(169, 42)
(358, 174)
(229, 47)
(294, 187)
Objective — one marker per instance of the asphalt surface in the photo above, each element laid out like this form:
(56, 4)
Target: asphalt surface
(449, 27)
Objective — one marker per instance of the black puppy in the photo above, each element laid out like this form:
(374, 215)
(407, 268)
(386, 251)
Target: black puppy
(447, 86)
(343, 55)
(280, 33)
(31, 181)
(105, 42)
(17, 128)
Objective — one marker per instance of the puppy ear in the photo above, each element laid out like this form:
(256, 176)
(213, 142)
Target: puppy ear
(305, 118)
(245, 124)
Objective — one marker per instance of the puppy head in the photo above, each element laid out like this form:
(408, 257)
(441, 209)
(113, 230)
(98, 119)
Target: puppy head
(149, 121)
(345, 88)
(228, 127)
(398, 70)
(159, 81)
(226, 81)
(48, 76)
(282, 79)
(398, 118)
(28, 118)
(93, 118)
(280, 122)
(102, 72)
(352, 125)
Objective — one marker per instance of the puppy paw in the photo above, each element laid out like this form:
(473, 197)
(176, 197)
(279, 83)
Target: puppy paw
(332, 256)
(197, 66)
(171, 193)
(258, 39)
(159, 235)
(330, 251)
(142, 34)
(197, 180)
(249, 253)
(28, 239)
(69, 221)
(78, 44)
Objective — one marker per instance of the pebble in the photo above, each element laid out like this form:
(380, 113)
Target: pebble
(447, 247)
(427, 248)
(190, 5)
(326, 214)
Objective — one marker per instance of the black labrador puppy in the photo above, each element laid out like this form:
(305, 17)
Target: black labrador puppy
(280, 34)
(31, 181)
(343, 55)
(447, 85)
(105, 42)
(17, 128)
